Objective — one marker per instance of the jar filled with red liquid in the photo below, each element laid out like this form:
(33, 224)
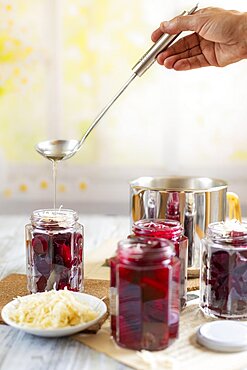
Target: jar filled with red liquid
(223, 290)
(54, 242)
(145, 303)
(171, 230)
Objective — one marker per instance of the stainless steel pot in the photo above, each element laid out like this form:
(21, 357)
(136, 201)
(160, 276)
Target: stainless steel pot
(194, 201)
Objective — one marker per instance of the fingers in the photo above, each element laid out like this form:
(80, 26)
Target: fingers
(184, 44)
(190, 63)
(185, 62)
(179, 24)
(170, 61)
(176, 25)
(156, 35)
(184, 54)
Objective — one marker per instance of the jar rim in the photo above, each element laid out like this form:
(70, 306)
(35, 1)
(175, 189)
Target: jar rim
(231, 231)
(141, 245)
(167, 225)
(54, 217)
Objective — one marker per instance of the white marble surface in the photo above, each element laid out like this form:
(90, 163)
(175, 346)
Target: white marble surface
(26, 352)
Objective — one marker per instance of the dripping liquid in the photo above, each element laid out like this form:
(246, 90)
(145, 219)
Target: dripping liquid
(54, 175)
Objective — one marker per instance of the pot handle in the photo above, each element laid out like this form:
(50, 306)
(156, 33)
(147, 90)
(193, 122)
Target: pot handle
(234, 206)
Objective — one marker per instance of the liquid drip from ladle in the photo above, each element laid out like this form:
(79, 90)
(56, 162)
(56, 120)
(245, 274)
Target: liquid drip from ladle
(54, 175)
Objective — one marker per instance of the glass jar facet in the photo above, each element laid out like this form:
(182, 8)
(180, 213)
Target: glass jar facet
(145, 279)
(171, 230)
(223, 272)
(54, 242)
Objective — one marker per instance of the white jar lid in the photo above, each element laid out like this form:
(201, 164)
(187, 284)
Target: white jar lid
(223, 336)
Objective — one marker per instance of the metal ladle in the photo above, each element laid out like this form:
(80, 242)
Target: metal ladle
(58, 150)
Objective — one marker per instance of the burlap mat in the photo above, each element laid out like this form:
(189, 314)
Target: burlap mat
(16, 285)
(192, 284)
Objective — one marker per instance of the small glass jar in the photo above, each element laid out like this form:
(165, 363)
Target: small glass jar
(54, 255)
(171, 230)
(144, 290)
(223, 272)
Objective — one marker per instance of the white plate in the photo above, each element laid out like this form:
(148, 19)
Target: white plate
(93, 302)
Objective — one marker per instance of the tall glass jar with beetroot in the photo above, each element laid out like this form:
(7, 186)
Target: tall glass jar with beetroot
(171, 230)
(223, 277)
(145, 279)
(54, 250)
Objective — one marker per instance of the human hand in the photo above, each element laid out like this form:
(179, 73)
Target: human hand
(219, 39)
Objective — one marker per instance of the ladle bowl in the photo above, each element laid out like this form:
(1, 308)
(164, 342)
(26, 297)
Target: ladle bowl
(57, 150)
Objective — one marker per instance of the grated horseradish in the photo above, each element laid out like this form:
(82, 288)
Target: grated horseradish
(50, 310)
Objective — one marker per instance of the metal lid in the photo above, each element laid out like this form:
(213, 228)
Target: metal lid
(223, 336)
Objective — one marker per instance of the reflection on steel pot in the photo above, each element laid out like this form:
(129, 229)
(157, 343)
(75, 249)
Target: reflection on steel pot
(194, 201)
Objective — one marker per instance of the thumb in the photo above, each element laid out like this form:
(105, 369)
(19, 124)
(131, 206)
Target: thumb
(179, 24)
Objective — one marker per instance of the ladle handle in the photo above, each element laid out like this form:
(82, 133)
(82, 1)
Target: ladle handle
(141, 66)
(162, 44)
(104, 110)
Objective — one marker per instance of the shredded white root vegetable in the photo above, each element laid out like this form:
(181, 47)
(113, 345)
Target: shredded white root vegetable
(49, 310)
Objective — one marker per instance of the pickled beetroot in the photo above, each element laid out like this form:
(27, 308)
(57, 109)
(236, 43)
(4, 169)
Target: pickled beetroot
(144, 295)
(227, 280)
(143, 309)
(62, 254)
(43, 264)
(54, 241)
(224, 270)
(171, 230)
(40, 244)
(56, 259)
(41, 284)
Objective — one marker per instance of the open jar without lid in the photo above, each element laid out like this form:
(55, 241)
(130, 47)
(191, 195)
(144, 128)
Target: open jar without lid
(54, 241)
(54, 219)
(145, 277)
(173, 231)
(223, 276)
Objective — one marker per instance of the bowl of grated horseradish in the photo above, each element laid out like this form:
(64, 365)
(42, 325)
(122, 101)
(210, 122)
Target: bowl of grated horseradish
(56, 313)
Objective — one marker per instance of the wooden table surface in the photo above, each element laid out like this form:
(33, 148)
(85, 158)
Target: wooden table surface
(26, 352)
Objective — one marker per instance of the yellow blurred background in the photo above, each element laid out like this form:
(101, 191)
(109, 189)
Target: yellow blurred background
(62, 61)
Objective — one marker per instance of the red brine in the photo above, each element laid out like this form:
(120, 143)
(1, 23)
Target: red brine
(145, 294)
(171, 230)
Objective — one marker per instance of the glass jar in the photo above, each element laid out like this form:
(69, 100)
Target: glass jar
(223, 276)
(171, 230)
(54, 250)
(145, 279)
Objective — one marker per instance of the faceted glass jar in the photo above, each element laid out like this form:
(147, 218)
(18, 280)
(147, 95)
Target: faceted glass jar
(145, 303)
(54, 251)
(223, 272)
(171, 230)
